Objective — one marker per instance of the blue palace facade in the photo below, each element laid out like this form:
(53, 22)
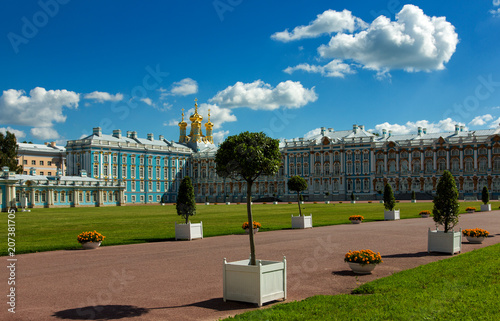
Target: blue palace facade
(124, 169)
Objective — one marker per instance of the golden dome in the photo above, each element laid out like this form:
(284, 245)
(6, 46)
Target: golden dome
(195, 117)
(209, 124)
(183, 124)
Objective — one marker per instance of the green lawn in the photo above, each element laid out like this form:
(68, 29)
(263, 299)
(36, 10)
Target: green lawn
(57, 228)
(464, 287)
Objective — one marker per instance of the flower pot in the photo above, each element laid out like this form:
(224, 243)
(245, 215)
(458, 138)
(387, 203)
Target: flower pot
(470, 211)
(391, 215)
(485, 208)
(425, 215)
(439, 241)
(228, 203)
(207, 203)
(302, 222)
(475, 239)
(353, 202)
(275, 203)
(361, 268)
(413, 201)
(356, 221)
(90, 245)
(258, 284)
(327, 202)
(189, 231)
(255, 230)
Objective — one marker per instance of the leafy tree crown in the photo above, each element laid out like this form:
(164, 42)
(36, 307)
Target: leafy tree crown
(446, 205)
(485, 195)
(297, 184)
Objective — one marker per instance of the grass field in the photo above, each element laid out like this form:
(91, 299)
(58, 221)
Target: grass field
(47, 229)
(464, 287)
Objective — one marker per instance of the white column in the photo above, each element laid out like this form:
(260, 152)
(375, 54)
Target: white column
(489, 159)
(475, 159)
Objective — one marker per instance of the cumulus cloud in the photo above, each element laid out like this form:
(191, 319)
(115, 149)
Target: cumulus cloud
(186, 86)
(259, 95)
(327, 22)
(18, 133)
(495, 123)
(312, 133)
(41, 108)
(481, 120)
(101, 97)
(413, 42)
(220, 136)
(44, 133)
(445, 125)
(335, 68)
(147, 101)
(496, 11)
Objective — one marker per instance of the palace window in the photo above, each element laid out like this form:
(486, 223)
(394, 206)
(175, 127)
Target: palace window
(336, 169)
(429, 153)
(496, 164)
(141, 172)
(455, 165)
(124, 171)
(428, 166)
(327, 169)
(366, 167)
(468, 151)
(306, 169)
(124, 159)
(392, 167)
(455, 152)
(483, 151)
(469, 165)
(404, 154)
(366, 185)
(404, 167)
(415, 166)
(483, 165)
(105, 158)
(415, 154)
(441, 165)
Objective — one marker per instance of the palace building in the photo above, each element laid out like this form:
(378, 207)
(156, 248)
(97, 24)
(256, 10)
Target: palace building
(118, 169)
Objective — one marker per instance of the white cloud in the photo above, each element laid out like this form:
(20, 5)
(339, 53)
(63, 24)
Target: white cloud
(495, 123)
(259, 95)
(220, 136)
(101, 97)
(328, 22)
(445, 125)
(335, 68)
(171, 122)
(312, 133)
(186, 86)
(44, 133)
(18, 133)
(218, 116)
(413, 42)
(147, 101)
(41, 108)
(495, 12)
(481, 120)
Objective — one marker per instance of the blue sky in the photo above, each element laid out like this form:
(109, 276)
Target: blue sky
(285, 68)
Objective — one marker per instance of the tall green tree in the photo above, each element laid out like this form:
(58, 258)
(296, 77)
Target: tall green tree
(389, 200)
(297, 184)
(485, 195)
(186, 205)
(446, 205)
(245, 157)
(8, 152)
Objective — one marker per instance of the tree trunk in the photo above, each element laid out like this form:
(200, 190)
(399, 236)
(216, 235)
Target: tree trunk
(298, 202)
(250, 223)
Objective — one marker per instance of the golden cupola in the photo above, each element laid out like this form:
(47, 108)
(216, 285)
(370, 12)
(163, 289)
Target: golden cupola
(209, 127)
(182, 128)
(196, 135)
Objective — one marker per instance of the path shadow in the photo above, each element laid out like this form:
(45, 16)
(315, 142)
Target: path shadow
(154, 240)
(345, 273)
(407, 255)
(216, 304)
(101, 312)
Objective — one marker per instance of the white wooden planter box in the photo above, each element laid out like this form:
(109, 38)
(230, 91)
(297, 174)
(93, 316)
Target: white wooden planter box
(188, 231)
(228, 203)
(439, 241)
(302, 221)
(413, 201)
(258, 284)
(485, 208)
(275, 203)
(353, 202)
(327, 202)
(301, 202)
(207, 203)
(391, 215)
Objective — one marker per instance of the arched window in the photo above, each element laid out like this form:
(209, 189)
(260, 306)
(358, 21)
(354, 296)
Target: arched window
(469, 165)
(483, 165)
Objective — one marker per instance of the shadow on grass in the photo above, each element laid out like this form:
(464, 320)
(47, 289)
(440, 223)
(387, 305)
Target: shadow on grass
(101, 312)
(216, 304)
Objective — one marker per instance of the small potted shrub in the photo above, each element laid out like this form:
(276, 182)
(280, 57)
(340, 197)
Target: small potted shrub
(470, 209)
(299, 184)
(90, 239)
(256, 227)
(390, 213)
(362, 262)
(206, 201)
(445, 213)
(353, 199)
(425, 214)
(356, 219)
(326, 196)
(413, 197)
(186, 207)
(475, 235)
(485, 197)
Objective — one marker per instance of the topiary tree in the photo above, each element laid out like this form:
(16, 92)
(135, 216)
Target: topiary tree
(389, 200)
(186, 205)
(246, 157)
(352, 196)
(446, 205)
(413, 195)
(485, 195)
(297, 184)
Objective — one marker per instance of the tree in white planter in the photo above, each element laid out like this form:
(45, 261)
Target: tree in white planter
(389, 203)
(485, 197)
(353, 199)
(245, 157)
(413, 197)
(445, 213)
(299, 184)
(186, 207)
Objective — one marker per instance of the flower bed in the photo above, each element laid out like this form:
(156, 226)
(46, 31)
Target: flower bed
(90, 236)
(425, 212)
(363, 257)
(255, 225)
(475, 232)
(356, 218)
(470, 209)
